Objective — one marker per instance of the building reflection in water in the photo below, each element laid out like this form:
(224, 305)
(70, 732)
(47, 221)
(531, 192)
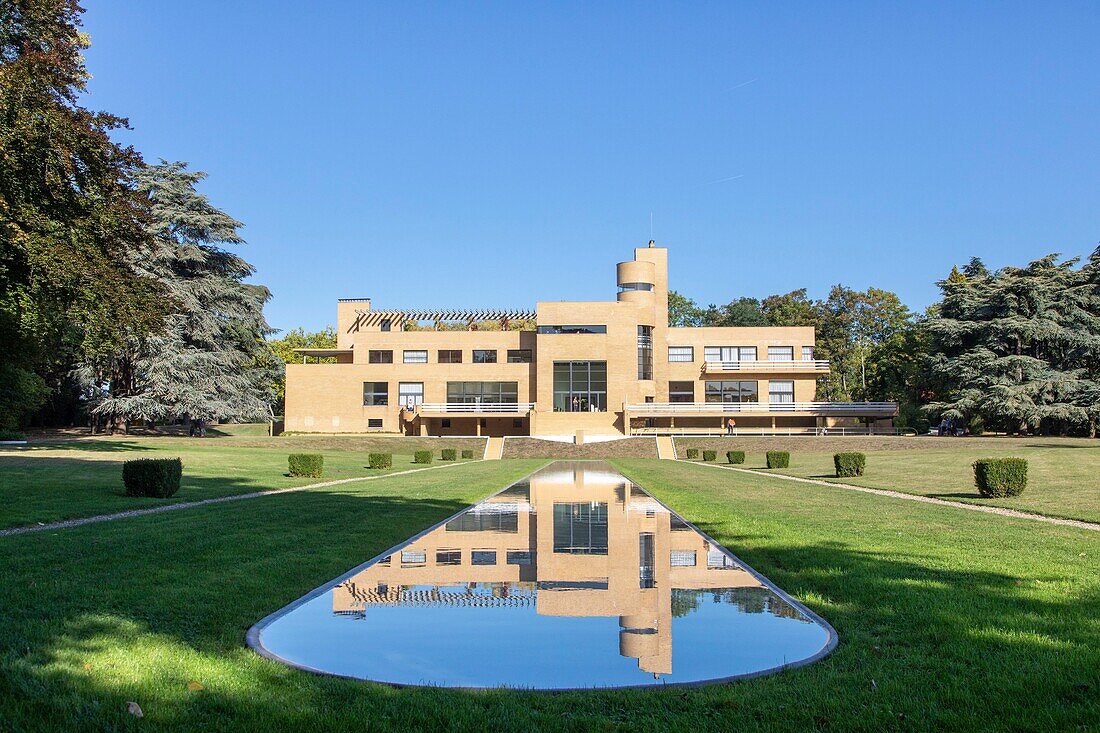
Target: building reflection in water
(575, 540)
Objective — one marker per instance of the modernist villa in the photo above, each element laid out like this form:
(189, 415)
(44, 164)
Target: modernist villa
(566, 370)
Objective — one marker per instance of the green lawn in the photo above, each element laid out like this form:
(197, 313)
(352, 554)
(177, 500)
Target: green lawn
(948, 619)
(1062, 473)
(50, 481)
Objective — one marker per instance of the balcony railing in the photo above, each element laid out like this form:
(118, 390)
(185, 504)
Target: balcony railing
(785, 365)
(474, 408)
(818, 408)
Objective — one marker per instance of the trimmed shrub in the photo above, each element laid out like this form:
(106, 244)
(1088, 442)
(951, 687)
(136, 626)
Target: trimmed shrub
(710, 455)
(380, 460)
(735, 456)
(448, 454)
(998, 477)
(692, 454)
(467, 454)
(849, 464)
(778, 459)
(306, 464)
(422, 456)
(156, 477)
(11, 435)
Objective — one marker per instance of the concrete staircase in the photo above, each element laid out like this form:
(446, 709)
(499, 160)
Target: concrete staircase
(494, 449)
(666, 448)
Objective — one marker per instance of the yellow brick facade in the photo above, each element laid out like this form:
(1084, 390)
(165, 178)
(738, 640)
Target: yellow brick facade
(427, 393)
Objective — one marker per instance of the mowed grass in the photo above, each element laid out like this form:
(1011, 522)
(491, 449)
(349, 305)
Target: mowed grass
(948, 619)
(1063, 473)
(50, 481)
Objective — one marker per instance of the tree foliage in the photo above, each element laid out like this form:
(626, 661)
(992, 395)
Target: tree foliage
(70, 220)
(283, 350)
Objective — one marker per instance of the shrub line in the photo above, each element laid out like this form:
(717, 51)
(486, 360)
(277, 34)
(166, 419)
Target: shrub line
(81, 521)
(1003, 511)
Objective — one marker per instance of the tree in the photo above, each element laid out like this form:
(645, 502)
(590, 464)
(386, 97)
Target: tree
(740, 312)
(283, 349)
(792, 309)
(211, 361)
(1017, 348)
(70, 220)
(683, 311)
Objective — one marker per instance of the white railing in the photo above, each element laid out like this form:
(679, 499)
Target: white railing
(794, 430)
(475, 407)
(786, 365)
(832, 408)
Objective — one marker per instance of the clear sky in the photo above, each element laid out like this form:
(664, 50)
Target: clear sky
(494, 154)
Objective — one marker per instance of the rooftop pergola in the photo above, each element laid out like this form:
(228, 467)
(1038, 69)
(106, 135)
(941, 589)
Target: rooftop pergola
(372, 317)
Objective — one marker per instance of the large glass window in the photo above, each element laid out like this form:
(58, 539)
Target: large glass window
(681, 353)
(483, 393)
(780, 353)
(623, 287)
(410, 394)
(376, 394)
(580, 386)
(681, 391)
(729, 353)
(450, 356)
(731, 391)
(519, 356)
(485, 356)
(645, 352)
(781, 392)
(581, 528)
(416, 357)
(646, 561)
(376, 356)
(572, 329)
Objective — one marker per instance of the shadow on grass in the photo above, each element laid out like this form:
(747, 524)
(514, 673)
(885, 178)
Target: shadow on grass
(154, 603)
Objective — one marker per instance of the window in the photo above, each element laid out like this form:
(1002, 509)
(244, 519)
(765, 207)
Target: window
(448, 557)
(497, 520)
(729, 353)
(731, 391)
(519, 557)
(374, 422)
(413, 557)
(780, 353)
(718, 559)
(807, 353)
(645, 352)
(580, 386)
(517, 423)
(681, 391)
(519, 356)
(483, 393)
(572, 329)
(781, 392)
(416, 357)
(445, 423)
(386, 324)
(410, 394)
(623, 287)
(485, 356)
(681, 353)
(683, 558)
(483, 557)
(376, 394)
(581, 528)
(646, 556)
(450, 356)
(379, 357)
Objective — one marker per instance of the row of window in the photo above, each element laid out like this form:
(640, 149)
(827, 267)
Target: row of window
(737, 353)
(448, 356)
(411, 394)
(730, 390)
(678, 558)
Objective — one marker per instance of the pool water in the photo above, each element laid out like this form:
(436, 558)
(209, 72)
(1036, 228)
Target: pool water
(571, 578)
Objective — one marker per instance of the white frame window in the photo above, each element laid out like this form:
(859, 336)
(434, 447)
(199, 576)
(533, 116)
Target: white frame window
(681, 354)
(780, 353)
(781, 391)
(682, 558)
(484, 356)
(415, 356)
(410, 394)
(729, 353)
(807, 353)
(376, 394)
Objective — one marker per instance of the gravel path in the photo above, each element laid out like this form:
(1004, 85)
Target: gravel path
(1079, 524)
(203, 502)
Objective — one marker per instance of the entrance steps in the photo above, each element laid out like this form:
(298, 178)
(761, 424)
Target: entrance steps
(494, 449)
(666, 448)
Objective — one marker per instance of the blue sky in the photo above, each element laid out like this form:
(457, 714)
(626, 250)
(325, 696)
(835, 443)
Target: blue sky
(495, 154)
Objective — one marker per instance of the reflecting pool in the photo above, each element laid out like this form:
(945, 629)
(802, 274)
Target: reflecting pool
(573, 577)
